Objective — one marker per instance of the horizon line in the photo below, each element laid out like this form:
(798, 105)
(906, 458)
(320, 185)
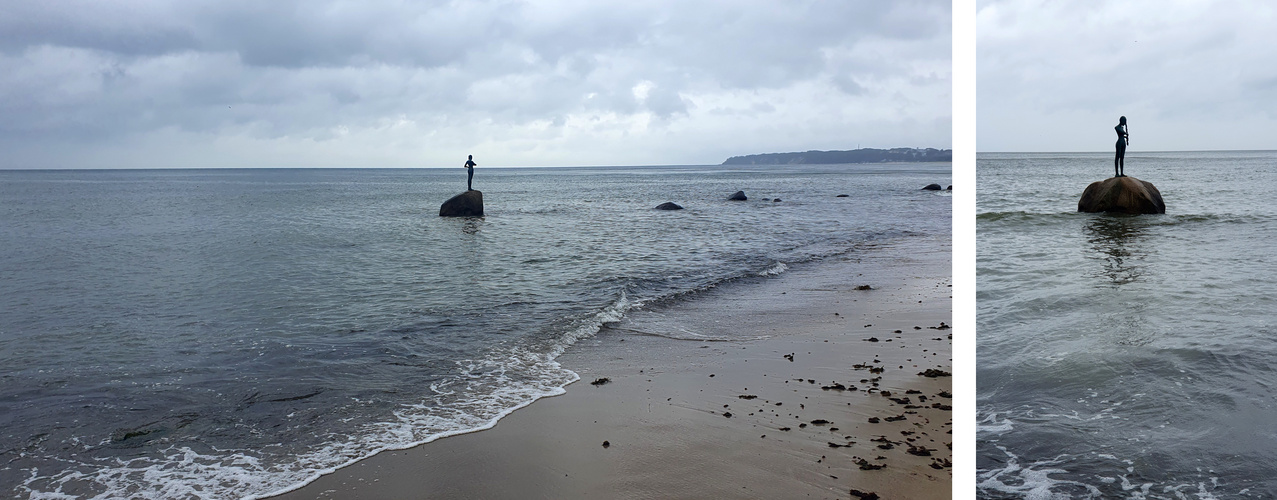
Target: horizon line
(1128, 151)
(28, 169)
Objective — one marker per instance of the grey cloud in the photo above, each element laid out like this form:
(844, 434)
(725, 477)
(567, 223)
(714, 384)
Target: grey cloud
(302, 34)
(848, 84)
(665, 102)
(1184, 70)
(772, 47)
(99, 71)
(123, 28)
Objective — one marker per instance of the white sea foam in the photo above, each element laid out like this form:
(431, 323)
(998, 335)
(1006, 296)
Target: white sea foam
(776, 268)
(1040, 480)
(1032, 482)
(613, 313)
(991, 424)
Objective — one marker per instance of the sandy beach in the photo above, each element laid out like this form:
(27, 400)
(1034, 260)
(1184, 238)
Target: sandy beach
(802, 385)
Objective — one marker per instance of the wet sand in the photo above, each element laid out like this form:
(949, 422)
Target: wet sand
(829, 398)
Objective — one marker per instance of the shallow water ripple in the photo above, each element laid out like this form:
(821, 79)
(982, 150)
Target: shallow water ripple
(1126, 356)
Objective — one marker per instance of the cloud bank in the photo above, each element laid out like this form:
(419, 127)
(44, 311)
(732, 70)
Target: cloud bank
(140, 84)
(1189, 75)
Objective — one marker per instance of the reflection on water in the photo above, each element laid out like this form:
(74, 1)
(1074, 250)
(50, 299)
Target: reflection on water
(471, 225)
(1117, 239)
(472, 270)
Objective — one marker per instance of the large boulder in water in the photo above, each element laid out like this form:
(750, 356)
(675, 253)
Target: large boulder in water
(467, 204)
(669, 205)
(932, 187)
(1126, 195)
(738, 196)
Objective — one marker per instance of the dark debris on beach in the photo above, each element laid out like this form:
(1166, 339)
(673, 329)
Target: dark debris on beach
(867, 465)
(864, 495)
(913, 430)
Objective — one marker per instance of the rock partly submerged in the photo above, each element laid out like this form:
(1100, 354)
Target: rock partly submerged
(669, 205)
(1126, 195)
(932, 187)
(738, 196)
(467, 204)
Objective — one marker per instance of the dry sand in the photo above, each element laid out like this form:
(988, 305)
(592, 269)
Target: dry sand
(761, 418)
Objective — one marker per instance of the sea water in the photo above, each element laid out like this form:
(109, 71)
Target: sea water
(235, 332)
(1127, 356)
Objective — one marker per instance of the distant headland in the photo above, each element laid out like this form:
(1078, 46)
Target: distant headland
(865, 155)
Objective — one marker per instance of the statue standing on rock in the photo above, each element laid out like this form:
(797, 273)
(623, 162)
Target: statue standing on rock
(1123, 138)
(1121, 194)
(469, 166)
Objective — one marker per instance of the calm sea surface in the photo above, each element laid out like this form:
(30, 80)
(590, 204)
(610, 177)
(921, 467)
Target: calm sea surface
(232, 333)
(1127, 356)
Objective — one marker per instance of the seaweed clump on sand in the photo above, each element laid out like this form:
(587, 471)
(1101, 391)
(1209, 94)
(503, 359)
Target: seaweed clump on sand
(864, 495)
(867, 465)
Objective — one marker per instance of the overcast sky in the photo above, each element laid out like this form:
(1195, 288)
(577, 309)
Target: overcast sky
(1187, 74)
(129, 83)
